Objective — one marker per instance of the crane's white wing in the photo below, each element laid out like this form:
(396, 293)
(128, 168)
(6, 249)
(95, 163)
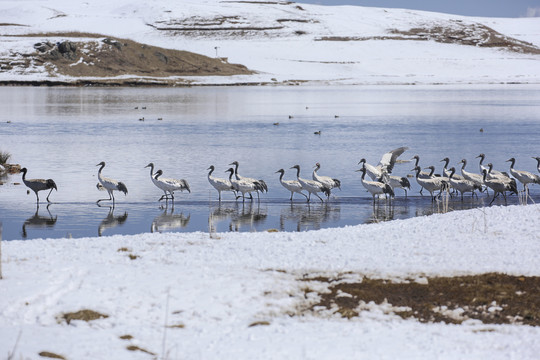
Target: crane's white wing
(388, 160)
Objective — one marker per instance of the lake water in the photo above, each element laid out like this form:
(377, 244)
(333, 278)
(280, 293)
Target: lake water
(62, 133)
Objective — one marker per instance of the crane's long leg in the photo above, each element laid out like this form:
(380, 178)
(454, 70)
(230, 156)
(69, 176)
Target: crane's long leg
(319, 198)
(110, 198)
(37, 197)
(494, 196)
(49, 195)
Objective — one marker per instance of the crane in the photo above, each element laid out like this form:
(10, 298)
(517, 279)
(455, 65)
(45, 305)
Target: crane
(311, 186)
(244, 185)
(293, 186)
(538, 160)
(218, 183)
(375, 187)
(433, 184)
(524, 177)
(37, 185)
(462, 185)
(259, 184)
(170, 185)
(477, 179)
(326, 180)
(498, 186)
(109, 184)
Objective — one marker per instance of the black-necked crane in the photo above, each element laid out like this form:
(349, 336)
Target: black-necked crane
(244, 185)
(311, 186)
(293, 186)
(537, 158)
(167, 185)
(218, 183)
(170, 185)
(37, 185)
(502, 177)
(491, 172)
(385, 165)
(477, 179)
(374, 172)
(432, 184)
(375, 188)
(423, 174)
(498, 186)
(260, 185)
(329, 182)
(524, 177)
(446, 171)
(462, 185)
(398, 182)
(109, 184)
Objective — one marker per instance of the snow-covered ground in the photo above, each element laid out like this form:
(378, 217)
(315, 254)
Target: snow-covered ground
(282, 41)
(194, 296)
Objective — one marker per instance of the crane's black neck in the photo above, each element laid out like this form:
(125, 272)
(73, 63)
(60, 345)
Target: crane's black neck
(446, 161)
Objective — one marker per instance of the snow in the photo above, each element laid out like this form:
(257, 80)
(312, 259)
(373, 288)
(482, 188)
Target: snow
(215, 287)
(289, 50)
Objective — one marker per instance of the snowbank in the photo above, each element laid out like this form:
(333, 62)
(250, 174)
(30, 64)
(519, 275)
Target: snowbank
(208, 290)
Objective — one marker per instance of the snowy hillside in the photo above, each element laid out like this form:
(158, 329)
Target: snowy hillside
(282, 42)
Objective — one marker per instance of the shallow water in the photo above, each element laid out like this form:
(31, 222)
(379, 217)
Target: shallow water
(62, 133)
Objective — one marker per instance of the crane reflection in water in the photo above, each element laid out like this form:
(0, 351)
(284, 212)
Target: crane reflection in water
(168, 220)
(37, 221)
(110, 221)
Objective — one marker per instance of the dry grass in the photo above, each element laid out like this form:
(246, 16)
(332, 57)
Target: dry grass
(115, 57)
(4, 157)
(136, 348)
(93, 59)
(84, 315)
(48, 354)
(458, 33)
(491, 298)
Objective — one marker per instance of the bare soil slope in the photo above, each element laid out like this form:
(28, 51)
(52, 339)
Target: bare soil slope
(106, 58)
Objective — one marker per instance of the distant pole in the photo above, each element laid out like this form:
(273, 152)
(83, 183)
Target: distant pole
(216, 47)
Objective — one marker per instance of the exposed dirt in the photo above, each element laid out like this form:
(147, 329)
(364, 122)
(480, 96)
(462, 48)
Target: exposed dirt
(101, 57)
(459, 33)
(84, 315)
(491, 298)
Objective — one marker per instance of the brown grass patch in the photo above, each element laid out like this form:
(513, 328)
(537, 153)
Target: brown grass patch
(136, 348)
(84, 315)
(455, 33)
(126, 337)
(259, 323)
(101, 60)
(491, 298)
(51, 355)
(176, 326)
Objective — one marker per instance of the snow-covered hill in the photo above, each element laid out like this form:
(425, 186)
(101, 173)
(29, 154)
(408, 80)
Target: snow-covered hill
(283, 42)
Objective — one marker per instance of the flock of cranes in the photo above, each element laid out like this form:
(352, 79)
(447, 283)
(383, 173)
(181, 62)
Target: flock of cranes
(382, 181)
